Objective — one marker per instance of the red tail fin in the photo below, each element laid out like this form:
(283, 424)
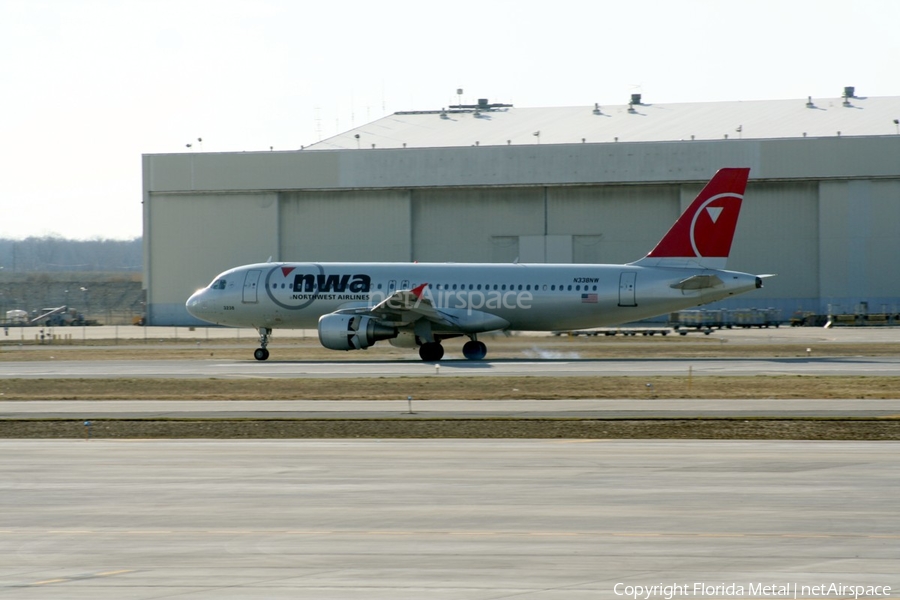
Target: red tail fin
(702, 234)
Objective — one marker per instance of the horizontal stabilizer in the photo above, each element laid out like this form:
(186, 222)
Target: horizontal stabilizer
(698, 282)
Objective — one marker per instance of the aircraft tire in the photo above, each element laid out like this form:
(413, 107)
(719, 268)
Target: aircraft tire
(473, 350)
(431, 352)
(260, 354)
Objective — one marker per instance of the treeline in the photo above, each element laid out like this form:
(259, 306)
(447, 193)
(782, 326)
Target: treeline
(43, 254)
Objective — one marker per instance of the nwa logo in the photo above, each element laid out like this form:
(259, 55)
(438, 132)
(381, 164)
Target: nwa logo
(322, 283)
(713, 225)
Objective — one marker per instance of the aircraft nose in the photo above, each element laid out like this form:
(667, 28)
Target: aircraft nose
(196, 305)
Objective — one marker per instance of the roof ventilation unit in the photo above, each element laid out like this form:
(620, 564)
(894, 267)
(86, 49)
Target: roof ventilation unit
(635, 98)
(848, 93)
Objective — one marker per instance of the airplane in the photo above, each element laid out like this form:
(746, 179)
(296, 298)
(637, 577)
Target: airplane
(418, 305)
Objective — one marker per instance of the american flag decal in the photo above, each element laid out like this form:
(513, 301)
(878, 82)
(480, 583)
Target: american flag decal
(589, 298)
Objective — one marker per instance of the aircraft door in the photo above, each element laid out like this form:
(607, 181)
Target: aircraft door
(404, 285)
(251, 282)
(627, 288)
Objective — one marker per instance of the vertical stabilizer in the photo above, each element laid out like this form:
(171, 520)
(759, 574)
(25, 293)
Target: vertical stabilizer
(702, 235)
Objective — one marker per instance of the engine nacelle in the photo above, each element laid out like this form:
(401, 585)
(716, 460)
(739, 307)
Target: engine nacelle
(352, 332)
(404, 339)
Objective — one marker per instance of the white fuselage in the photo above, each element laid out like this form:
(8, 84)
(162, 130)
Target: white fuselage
(530, 297)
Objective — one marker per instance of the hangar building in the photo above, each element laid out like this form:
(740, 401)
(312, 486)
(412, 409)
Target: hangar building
(586, 184)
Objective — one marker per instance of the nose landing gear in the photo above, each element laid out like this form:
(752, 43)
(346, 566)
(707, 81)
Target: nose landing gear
(261, 353)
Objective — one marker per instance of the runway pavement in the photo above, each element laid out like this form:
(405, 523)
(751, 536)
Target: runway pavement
(442, 519)
(447, 409)
(238, 369)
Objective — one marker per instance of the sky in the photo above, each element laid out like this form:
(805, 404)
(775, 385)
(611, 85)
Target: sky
(88, 86)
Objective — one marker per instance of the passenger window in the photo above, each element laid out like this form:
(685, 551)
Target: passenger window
(595, 288)
(479, 286)
(545, 287)
(503, 287)
(570, 288)
(552, 288)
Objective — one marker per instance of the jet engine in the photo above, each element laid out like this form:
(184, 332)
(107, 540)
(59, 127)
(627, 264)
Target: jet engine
(352, 332)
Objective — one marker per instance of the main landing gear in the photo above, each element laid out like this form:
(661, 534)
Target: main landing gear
(433, 351)
(474, 350)
(261, 353)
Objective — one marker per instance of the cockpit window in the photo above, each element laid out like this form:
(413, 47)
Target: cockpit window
(219, 284)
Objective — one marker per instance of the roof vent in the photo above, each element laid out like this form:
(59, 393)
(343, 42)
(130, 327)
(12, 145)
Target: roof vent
(597, 108)
(483, 105)
(635, 99)
(848, 93)
(809, 102)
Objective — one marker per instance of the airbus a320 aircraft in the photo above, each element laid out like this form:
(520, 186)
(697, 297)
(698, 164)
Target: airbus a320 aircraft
(354, 305)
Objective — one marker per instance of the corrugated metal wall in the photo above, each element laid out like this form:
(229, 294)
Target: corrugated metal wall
(778, 233)
(345, 225)
(462, 225)
(612, 224)
(196, 236)
(859, 244)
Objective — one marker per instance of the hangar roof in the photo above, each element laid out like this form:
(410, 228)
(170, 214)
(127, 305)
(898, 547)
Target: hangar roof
(496, 125)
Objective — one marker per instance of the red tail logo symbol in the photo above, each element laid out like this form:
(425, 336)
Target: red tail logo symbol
(703, 233)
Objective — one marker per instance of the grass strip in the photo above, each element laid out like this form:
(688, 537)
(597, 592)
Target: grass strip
(698, 428)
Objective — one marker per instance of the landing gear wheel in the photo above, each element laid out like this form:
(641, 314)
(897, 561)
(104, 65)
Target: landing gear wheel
(261, 353)
(474, 350)
(431, 352)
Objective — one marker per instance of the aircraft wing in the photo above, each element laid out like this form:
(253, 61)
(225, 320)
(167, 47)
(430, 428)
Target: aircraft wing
(408, 306)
